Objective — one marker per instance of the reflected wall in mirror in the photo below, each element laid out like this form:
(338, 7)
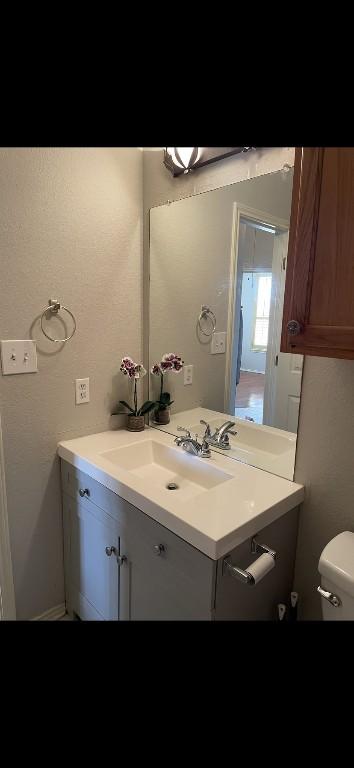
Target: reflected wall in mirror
(217, 277)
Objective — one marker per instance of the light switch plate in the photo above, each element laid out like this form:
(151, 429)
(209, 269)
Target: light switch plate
(218, 343)
(18, 356)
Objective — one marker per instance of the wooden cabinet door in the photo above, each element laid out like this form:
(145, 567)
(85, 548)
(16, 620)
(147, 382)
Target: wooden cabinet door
(93, 574)
(318, 317)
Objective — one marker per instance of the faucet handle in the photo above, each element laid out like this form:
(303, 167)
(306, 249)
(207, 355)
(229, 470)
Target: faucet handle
(207, 431)
(205, 451)
(183, 429)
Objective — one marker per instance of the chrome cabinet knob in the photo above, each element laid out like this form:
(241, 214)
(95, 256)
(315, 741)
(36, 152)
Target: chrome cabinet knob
(294, 327)
(159, 549)
(110, 551)
(84, 492)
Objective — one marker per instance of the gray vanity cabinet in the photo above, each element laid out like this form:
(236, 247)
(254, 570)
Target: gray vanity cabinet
(92, 575)
(122, 564)
(93, 520)
(164, 577)
(150, 574)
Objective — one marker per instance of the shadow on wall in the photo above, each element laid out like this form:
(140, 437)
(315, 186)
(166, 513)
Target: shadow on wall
(44, 346)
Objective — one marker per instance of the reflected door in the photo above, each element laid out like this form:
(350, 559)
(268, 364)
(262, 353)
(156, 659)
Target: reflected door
(289, 372)
(283, 371)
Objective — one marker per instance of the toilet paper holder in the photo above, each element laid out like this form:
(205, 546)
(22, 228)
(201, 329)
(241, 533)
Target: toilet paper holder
(239, 573)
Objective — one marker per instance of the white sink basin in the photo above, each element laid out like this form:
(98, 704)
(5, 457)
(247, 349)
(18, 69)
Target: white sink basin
(163, 465)
(251, 438)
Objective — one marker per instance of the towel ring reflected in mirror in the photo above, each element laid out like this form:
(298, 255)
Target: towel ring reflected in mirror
(54, 307)
(206, 313)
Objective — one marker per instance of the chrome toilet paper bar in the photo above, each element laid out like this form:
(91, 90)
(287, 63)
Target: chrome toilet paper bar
(245, 576)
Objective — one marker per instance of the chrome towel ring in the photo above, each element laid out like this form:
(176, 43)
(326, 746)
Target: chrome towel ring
(208, 314)
(54, 307)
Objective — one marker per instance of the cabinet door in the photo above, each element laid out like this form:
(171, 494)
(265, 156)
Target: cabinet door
(164, 578)
(318, 316)
(94, 575)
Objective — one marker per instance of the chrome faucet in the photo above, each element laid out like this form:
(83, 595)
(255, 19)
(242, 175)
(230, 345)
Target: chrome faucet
(191, 445)
(220, 438)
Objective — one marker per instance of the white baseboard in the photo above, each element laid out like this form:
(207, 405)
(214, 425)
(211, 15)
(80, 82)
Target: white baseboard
(54, 614)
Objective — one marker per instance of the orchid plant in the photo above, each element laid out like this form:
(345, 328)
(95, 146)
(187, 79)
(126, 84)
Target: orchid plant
(170, 362)
(135, 371)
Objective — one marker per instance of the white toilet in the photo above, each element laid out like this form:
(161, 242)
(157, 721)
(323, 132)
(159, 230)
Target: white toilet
(336, 566)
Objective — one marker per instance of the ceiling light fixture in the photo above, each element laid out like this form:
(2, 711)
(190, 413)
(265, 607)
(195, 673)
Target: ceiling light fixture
(180, 160)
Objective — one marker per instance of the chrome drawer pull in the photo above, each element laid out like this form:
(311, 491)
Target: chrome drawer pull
(333, 599)
(159, 549)
(84, 492)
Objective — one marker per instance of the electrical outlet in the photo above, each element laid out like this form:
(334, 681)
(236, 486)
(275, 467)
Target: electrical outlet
(82, 391)
(218, 343)
(188, 374)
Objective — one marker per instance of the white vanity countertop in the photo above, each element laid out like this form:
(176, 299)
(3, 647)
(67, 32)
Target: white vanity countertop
(215, 521)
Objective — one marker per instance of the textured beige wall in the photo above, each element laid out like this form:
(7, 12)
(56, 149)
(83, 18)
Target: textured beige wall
(70, 227)
(190, 253)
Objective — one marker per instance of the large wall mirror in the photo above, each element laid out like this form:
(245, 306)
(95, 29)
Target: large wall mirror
(217, 275)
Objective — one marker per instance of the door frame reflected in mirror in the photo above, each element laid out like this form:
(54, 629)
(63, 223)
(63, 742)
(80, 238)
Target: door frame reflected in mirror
(260, 217)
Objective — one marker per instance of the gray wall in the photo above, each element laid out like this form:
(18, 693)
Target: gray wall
(325, 464)
(324, 461)
(70, 227)
(190, 266)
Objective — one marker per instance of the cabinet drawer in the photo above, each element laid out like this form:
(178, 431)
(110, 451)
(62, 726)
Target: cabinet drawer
(74, 481)
(169, 579)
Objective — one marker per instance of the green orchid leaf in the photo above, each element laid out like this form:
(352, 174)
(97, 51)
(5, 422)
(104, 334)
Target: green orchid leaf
(127, 406)
(147, 407)
(163, 406)
(165, 399)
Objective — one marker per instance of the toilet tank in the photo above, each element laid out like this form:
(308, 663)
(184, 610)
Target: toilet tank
(336, 566)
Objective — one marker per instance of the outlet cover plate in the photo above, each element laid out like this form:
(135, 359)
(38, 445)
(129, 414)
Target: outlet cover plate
(82, 391)
(218, 343)
(187, 374)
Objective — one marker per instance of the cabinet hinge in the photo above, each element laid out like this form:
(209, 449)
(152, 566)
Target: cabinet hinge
(276, 360)
(284, 262)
